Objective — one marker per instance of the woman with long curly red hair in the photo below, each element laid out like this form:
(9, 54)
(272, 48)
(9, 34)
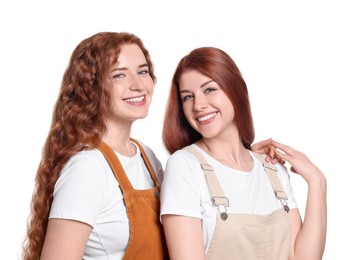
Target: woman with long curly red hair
(96, 193)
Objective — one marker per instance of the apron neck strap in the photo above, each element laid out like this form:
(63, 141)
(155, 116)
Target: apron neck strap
(118, 169)
(215, 190)
(273, 177)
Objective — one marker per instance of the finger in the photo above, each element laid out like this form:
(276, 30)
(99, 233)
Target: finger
(262, 144)
(272, 152)
(282, 156)
(277, 160)
(285, 148)
(269, 152)
(293, 169)
(274, 161)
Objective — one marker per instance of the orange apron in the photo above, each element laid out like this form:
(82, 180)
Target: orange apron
(146, 239)
(247, 236)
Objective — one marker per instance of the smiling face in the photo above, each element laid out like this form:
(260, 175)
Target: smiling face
(131, 85)
(206, 106)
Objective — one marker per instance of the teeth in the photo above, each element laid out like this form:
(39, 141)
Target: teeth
(137, 99)
(206, 117)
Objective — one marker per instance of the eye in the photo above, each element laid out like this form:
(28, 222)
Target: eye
(144, 72)
(210, 89)
(118, 75)
(186, 98)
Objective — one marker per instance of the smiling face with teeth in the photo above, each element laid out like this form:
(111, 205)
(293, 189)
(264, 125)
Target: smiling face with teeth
(131, 86)
(215, 74)
(206, 106)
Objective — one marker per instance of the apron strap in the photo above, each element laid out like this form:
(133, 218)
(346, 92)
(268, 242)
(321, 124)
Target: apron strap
(116, 166)
(215, 190)
(217, 195)
(118, 169)
(147, 162)
(273, 177)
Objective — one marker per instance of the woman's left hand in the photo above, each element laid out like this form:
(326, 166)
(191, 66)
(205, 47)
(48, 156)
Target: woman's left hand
(266, 147)
(300, 163)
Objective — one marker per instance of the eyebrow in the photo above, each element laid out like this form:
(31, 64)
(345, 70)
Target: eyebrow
(202, 85)
(125, 68)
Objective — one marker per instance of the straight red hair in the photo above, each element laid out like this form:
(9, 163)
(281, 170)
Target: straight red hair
(219, 66)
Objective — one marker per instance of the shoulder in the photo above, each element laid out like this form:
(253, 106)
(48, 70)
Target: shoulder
(281, 170)
(87, 155)
(261, 158)
(182, 156)
(90, 164)
(146, 148)
(87, 159)
(153, 159)
(149, 152)
(183, 163)
(183, 170)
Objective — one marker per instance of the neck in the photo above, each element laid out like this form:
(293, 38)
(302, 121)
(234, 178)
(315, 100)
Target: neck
(230, 152)
(118, 138)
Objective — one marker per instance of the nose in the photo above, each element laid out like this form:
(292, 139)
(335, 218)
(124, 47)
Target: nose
(199, 104)
(136, 83)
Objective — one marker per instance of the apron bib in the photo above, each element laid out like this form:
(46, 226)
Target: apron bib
(146, 239)
(246, 236)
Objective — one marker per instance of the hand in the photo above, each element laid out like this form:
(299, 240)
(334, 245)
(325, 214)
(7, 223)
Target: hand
(300, 163)
(266, 147)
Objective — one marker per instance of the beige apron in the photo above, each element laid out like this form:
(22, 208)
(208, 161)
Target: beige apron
(143, 208)
(247, 236)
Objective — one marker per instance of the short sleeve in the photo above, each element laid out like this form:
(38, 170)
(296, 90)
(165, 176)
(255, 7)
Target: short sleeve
(181, 190)
(79, 192)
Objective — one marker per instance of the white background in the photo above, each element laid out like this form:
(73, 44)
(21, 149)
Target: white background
(299, 60)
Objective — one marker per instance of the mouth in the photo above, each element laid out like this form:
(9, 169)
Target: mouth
(134, 100)
(206, 117)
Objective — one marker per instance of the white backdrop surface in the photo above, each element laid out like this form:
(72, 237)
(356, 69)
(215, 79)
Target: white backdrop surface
(299, 60)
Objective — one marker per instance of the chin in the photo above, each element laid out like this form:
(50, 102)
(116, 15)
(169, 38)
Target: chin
(143, 115)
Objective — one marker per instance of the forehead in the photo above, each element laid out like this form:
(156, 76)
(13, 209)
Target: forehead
(193, 78)
(129, 54)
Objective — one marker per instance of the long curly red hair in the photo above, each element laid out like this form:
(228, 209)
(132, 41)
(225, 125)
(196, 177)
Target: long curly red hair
(78, 122)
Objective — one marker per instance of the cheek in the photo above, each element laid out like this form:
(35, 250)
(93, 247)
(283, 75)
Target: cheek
(230, 109)
(116, 95)
(186, 110)
(149, 83)
(117, 90)
(225, 102)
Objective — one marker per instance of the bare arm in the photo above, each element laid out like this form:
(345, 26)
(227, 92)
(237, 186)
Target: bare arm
(65, 239)
(184, 237)
(308, 237)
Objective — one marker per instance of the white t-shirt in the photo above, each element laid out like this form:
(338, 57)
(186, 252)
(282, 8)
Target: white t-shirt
(88, 191)
(184, 190)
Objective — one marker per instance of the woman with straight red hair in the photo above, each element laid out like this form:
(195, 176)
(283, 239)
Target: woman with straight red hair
(220, 200)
